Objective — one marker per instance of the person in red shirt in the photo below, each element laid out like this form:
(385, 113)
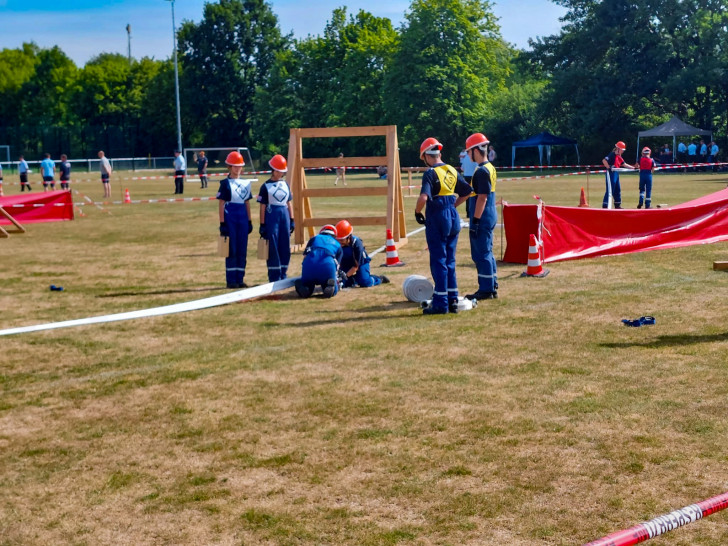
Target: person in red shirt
(613, 162)
(647, 167)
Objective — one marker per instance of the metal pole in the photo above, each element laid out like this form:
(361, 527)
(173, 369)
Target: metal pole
(128, 32)
(176, 82)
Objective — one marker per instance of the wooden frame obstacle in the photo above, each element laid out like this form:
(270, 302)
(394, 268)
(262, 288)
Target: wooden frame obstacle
(302, 194)
(18, 227)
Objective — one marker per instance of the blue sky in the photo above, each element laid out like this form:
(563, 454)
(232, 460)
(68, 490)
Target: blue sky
(85, 28)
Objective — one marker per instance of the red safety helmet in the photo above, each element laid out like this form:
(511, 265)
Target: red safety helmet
(646, 150)
(621, 145)
(476, 140)
(344, 229)
(278, 163)
(235, 159)
(429, 144)
(328, 229)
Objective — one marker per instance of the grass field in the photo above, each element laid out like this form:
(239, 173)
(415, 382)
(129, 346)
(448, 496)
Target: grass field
(537, 418)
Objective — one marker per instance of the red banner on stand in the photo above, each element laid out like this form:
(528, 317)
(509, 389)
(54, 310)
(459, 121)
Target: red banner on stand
(30, 208)
(570, 233)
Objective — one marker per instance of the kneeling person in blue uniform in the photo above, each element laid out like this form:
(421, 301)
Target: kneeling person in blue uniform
(320, 266)
(354, 264)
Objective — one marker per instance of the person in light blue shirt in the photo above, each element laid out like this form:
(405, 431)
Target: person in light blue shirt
(23, 171)
(48, 171)
(682, 152)
(180, 168)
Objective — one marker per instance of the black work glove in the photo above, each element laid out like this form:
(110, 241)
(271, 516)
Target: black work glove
(293, 225)
(420, 218)
(224, 231)
(262, 231)
(250, 227)
(475, 226)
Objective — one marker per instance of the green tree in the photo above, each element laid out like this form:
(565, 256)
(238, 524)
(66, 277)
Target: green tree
(17, 67)
(331, 80)
(619, 66)
(450, 63)
(225, 57)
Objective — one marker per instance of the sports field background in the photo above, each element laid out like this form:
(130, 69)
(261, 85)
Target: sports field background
(537, 418)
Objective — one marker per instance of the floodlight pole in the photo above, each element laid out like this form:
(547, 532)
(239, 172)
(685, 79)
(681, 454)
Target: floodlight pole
(176, 81)
(128, 32)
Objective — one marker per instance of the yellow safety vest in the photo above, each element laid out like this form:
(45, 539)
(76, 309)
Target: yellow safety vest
(488, 166)
(448, 178)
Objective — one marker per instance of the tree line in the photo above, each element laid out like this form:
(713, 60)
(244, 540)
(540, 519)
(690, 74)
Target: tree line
(615, 68)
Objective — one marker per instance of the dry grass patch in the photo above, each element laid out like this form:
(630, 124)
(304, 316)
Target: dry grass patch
(535, 419)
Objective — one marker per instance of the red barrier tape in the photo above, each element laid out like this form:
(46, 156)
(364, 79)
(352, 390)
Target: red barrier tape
(662, 524)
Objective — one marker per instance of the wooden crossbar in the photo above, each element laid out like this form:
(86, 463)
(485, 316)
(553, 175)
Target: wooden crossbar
(18, 227)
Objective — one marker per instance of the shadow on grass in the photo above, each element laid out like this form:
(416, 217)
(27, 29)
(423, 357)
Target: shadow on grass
(157, 292)
(391, 305)
(670, 341)
(339, 320)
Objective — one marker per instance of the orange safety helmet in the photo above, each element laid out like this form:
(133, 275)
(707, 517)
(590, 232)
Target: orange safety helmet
(621, 145)
(476, 139)
(646, 150)
(328, 229)
(343, 229)
(429, 144)
(278, 163)
(235, 159)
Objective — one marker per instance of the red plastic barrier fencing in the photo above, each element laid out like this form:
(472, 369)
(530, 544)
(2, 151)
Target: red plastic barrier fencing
(662, 524)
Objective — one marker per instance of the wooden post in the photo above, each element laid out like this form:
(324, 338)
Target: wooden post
(394, 217)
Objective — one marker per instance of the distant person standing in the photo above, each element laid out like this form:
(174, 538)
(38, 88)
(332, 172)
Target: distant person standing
(340, 172)
(703, 154)
(65, 168)
(48, 171)
(712, 158)
(202, 169)
(682, 152)
(106, 170)
(692, 153)
(613, 162)
(23, 171)
(1, 180)
(647, 168)
(180, 170)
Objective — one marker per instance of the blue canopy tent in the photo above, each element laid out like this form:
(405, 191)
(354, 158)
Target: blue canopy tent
(544, 141)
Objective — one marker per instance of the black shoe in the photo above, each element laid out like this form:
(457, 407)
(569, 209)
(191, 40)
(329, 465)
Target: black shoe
(453, 307)
(330, 288)
(385, 279)
(434, 311)
(482, 295)
(639, 205)
(235, 286)
(302, 290)
(617, 206)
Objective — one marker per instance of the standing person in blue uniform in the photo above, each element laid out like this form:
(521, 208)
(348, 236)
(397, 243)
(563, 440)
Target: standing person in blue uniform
(614, 161)
(48, 172)
(180, 170)
(483, 217)
(647, 167)
(276, 218)
(106, 170)
(443, 189)
(354, 265)
(202, 169)
(23, 171)
(65, 168)
(234, 211)
(320, 267)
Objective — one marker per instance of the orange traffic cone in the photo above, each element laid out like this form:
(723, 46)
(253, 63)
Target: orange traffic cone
(392, 256)
(127, 197)
(534, 269)
(582, 200)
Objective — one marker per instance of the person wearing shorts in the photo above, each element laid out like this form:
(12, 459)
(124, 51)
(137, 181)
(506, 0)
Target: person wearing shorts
(106, 170)
(65, 168)
(48, 171)
(23, 172)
